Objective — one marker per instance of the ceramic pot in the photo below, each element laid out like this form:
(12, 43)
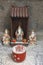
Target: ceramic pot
(19, 53)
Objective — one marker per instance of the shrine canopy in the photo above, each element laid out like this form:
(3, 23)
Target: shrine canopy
(21, 12)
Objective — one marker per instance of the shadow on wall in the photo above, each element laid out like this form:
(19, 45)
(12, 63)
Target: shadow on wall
(1, 7)
(7, 23)
(33, 23)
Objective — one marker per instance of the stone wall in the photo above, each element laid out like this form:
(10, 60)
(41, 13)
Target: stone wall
(35, 13)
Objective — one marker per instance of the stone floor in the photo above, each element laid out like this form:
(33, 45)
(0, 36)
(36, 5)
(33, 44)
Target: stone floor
(34, 55)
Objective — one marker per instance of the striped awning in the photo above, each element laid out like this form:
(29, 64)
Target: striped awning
(19, 11)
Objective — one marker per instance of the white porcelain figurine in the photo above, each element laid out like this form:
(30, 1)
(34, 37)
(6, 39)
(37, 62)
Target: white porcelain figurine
(32, 37)
(19, 33)
(6, 38)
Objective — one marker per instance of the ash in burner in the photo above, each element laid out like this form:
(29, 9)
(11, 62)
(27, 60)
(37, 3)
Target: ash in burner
(19, 48)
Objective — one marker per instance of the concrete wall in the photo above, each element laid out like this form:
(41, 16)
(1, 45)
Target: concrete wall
(35, 13)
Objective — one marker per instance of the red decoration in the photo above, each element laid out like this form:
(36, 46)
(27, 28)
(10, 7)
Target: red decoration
(19, 57)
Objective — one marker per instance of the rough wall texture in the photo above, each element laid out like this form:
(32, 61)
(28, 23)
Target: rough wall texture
(35, 13)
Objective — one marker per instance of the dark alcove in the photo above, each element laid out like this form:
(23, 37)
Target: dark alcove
(19, 16)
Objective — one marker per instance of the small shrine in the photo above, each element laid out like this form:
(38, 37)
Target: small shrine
(19, 23)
